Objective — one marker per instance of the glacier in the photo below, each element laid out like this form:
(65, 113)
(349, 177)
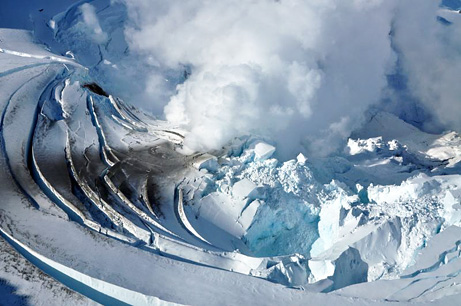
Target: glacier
(108, 201)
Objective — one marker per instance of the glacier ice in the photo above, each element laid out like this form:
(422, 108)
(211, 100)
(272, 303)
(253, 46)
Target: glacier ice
(109, 196)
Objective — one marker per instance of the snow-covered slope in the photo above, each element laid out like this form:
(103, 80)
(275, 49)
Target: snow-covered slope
(106, 200)
(97, 210)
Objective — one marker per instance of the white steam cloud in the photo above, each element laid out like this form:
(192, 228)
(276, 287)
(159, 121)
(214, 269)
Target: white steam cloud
(297, 71)
(431, 57)
(91, 23)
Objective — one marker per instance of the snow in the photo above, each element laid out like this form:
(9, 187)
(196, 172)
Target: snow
(17, 15)
(248, 214)
(110, 203)
(263, 150)
(21, 283)
(244, 189)
(301, 158)
(207, 162)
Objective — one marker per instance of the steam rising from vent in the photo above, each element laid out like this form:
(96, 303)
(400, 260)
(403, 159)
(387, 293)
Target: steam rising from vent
(300, 72)
(288, 69)
(430, 45)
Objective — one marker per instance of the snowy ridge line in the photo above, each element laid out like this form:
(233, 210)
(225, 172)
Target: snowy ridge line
(145, 198)
(122, 123)
(123, 116)
(96, 289)
(43, 57)
(181, 215)
(23, 136)
(73, 212)
(222, 260)
(129, 113)
(235, 262)
(128, 203)
(105, 149)
(3, 145)
(228, 261)
(112, 214)
(173, 133)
